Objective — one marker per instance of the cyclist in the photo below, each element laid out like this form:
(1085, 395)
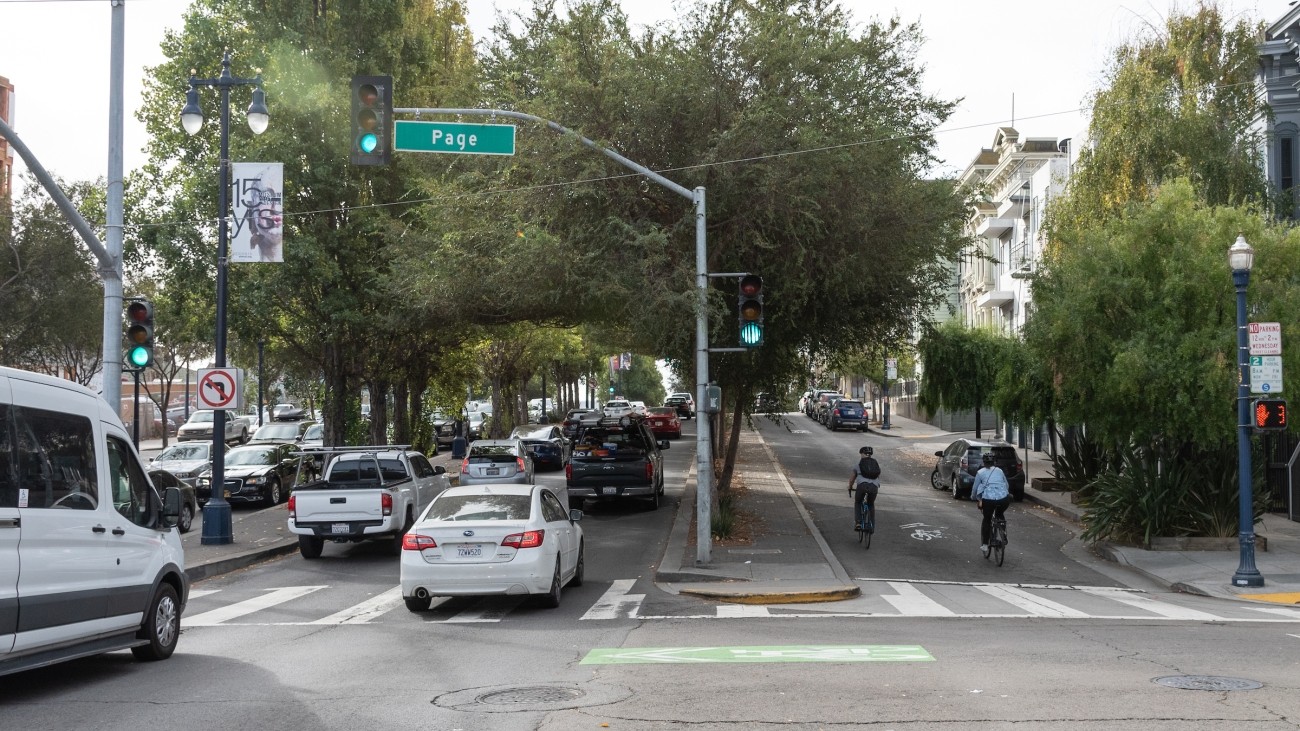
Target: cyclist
(992, 495)
(866, 480)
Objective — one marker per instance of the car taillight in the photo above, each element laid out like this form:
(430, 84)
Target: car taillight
(417, 542)
(649, 470)
(386, 499)
(464, 465)
(519, 462)
(527, 539)
(568, 471)
(837, 412)
(293, 506)
(963, 463)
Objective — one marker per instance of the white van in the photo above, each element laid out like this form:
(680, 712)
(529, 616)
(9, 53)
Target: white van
(89, 558)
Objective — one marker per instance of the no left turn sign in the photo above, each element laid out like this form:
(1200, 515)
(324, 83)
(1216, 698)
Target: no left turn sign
(219, 388)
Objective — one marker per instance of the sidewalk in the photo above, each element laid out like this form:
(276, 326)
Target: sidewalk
(790, 562)
(259, 534)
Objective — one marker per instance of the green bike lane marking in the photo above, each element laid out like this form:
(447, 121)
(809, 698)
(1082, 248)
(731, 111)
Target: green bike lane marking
(760, 653)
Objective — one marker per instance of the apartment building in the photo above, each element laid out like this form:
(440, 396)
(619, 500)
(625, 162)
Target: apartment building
(1279, 82)
(6, 154)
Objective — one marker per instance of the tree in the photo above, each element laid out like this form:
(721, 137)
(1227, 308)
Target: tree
(961, 365)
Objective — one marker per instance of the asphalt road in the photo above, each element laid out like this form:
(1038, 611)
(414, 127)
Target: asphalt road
(293, 644)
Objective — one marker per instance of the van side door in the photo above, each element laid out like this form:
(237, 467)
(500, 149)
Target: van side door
(10, 529)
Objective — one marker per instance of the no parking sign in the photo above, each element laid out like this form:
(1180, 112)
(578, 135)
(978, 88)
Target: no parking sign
(220, 388)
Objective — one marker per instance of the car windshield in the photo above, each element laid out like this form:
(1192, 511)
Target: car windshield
(492, 450)
(250, 457)
(526, 433)
(277, 431)
(316, 431)
(182, 452)
(662, 410)
(480, 507)
(199, 417)
(618, 405)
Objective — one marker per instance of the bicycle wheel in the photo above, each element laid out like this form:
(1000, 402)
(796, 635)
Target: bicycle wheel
(999, 553)
(860, 532)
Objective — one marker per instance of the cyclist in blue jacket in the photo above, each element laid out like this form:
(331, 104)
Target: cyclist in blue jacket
(992, 495)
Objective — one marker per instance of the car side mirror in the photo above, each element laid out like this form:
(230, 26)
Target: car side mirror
(439, 470)
(663, 443)
(939, 453)
(575, 515)
(171, 514)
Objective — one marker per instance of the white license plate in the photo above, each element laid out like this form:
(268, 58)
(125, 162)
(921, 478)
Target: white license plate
(609, 490)
(340, 528)
(469, 551)
(492, 471)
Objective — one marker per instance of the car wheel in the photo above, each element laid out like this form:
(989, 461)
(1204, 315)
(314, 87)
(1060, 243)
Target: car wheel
(162, 625)
(580, 569)
(272, 495)
(935, 480)
(416, 604)
(956, 488)
(653, 502)
(244, 436)
(396, 547)
(187, 518)
(551, 599)
(310, 546)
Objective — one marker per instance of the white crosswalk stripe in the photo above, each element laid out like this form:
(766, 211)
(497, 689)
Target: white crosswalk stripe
(881, 598)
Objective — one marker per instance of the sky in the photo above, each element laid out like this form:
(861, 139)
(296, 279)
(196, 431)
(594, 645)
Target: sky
(1027, 65)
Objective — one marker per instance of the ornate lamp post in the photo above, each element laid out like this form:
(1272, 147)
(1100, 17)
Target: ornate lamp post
(216, 514)
(1240, 259)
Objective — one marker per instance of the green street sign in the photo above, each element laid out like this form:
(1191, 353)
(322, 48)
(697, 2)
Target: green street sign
(454, 137)
(761, 654)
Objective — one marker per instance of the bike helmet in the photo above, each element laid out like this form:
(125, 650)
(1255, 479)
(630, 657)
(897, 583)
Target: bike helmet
(987, 459)
(866, 451)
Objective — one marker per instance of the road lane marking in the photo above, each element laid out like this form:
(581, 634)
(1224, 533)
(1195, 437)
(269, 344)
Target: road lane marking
(734, 611)
(616, 602)
(1035, 605)
(756, 654)
(910, 601)
(365, 611)
(248, 606)
(484, 611)
(197, 593)
(1280, 611)
(1145, 603)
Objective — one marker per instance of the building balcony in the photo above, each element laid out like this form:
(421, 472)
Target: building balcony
(994, 227)
(993, 299)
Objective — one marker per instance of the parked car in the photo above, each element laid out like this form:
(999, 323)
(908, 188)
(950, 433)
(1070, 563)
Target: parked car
(638, 407)
(444, 427)
(822, 405)
(663, 421)
(257, 473)
(478, 424)
(184, 461)
(496, 461)
(546, 444)
(571, 422)
(281, 432)
(492, 539)
(813, 398)
(313, 437)
(846, 413)
(680, 405)
(768, 403)
(617, 407)
(162, 479)
(688, 398)
(288, 412)
(199, 427)
(963, 458)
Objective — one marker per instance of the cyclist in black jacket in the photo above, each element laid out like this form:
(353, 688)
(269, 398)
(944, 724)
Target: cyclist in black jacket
(865, 482)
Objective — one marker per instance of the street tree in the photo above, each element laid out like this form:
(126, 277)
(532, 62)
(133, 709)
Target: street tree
(961, 366)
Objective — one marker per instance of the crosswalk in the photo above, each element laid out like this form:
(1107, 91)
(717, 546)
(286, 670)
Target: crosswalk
(881, 598)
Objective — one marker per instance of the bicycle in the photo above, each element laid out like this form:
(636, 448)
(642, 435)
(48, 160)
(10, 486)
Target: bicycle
(997, 540)
(867, 527)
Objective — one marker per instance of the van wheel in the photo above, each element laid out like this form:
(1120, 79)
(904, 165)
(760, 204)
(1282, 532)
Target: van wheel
(310, 546)
(162, 626)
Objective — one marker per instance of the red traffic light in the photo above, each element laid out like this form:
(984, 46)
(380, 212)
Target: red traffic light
(139, 311)
(751, 285)
(1269, 414)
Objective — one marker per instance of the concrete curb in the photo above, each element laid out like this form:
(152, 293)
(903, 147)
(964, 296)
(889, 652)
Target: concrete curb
(767, 596)
(220, 566)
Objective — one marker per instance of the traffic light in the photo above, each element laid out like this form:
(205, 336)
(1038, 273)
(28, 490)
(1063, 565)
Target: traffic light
(1269, 414)
(372, 120)
(139, 333)
(751, 310)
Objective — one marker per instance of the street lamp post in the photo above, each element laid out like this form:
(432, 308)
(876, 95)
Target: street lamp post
(216, 514)
(1240, 258)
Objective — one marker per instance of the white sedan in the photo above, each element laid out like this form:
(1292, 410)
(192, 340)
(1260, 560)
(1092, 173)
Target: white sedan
(492, 539)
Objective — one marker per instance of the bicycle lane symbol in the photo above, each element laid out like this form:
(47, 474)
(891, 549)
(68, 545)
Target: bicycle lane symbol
(923, 531)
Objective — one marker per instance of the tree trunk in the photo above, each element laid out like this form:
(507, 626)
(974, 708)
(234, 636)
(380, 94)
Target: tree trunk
(422, 435)
(733, 444)
(336, 397)
(378, 411)
(401, 417)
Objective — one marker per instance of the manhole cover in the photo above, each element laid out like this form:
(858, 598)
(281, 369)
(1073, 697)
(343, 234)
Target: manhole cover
(1208, 682)
(529, 696)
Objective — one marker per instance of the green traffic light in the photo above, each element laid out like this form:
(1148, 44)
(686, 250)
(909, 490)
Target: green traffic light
(751, 334)
(368, 142)
(138, 356)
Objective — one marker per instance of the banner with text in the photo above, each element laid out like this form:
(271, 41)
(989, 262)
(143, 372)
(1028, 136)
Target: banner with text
(257, 212)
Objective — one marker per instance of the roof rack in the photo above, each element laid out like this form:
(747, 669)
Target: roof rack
(317, 451)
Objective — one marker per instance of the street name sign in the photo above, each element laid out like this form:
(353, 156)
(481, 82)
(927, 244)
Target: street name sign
(453, 137)
(1265, 338)
(1266, 374)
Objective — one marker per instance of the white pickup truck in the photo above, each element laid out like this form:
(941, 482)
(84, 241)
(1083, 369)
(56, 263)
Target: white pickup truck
(199, 428)
(368, 493)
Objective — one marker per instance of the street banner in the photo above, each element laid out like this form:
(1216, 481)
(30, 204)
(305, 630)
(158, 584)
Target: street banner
(257, 212)
(625, 362)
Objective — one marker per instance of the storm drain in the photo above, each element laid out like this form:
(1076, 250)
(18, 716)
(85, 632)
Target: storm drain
(526, 698)
(530, 696)
(1208, 682)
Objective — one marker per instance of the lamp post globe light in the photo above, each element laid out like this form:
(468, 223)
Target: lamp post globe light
(1240, 259)
(216, 514)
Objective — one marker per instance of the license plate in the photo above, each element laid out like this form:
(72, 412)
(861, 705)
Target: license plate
(340, 528)
(609, 490)
(492, 471)
(469, 551)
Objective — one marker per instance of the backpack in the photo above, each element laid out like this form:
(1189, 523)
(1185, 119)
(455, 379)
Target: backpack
(869, 468)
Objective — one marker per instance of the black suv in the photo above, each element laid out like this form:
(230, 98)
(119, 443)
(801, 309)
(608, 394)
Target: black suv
(679, 403)
(845, 413)
(963, 458)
